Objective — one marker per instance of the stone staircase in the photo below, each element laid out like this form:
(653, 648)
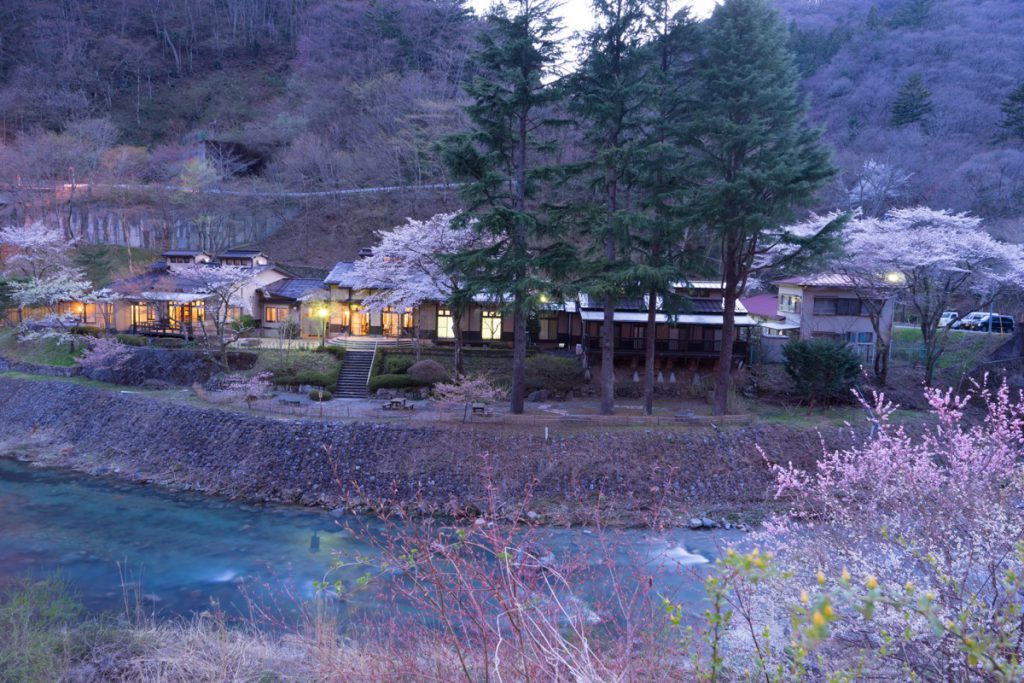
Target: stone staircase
(355, 371)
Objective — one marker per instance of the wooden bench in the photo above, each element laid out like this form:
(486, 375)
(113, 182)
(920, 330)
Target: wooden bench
(397, 404)
(479, 408)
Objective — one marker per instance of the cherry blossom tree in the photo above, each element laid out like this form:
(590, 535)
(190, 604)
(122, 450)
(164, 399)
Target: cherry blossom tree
(411, 265)
(38, 261)
(221, 290)
(931, 257)
(34, 250)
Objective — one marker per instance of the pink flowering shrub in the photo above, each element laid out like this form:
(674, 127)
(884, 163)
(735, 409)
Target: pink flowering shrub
(249, 389)
(104, 355)
(467, 389)
(931, 525)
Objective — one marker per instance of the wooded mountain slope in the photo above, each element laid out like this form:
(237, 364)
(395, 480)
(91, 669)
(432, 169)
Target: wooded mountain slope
(858, 55)
(354, 94)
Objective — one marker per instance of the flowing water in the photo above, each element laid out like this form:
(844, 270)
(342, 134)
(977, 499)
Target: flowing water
(187, 550)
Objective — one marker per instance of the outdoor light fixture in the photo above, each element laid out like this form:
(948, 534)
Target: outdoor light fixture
(894, 278)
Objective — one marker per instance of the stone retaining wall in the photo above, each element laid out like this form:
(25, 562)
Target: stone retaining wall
(7, 365)
(304, 461)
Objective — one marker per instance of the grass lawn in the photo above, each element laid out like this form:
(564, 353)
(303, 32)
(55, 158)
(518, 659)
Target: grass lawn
(42, 351)
(295, 366)
(963, 351)
(808, 418)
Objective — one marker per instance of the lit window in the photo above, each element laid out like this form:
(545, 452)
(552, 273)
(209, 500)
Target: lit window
(490, 326)
(275, 314)
(548, 327)
(445, 326)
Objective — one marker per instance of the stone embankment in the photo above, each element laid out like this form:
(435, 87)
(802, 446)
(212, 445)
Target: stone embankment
(627, 476)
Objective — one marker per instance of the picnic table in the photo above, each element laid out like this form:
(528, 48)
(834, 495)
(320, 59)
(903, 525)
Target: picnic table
(398, 404)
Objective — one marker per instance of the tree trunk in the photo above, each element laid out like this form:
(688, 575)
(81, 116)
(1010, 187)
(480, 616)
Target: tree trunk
(518, 394)
(723, 375)
(460, 368)
(652, 329)
(608, 359)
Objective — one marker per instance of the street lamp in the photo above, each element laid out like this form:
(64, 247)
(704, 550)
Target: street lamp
(895, 278)
(323, 313)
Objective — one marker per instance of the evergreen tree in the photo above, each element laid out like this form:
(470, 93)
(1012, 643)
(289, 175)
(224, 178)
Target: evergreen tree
(511, 96)
(758, 160)
(1013, 114)
(608, 95)
(912, 13)
(913, 103)
(665, 245)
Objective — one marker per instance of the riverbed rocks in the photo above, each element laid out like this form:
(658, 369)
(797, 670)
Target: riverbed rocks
(623, 477)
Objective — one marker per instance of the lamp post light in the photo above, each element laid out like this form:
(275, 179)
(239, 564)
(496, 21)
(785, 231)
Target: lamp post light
(323, 313)
(895, 278)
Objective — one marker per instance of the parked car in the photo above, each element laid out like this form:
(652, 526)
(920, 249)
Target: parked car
(980, 321)
(948, 318)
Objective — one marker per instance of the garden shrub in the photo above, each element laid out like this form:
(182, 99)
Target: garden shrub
(169, 342)
(86, 330)
(428, 372)
(822, 370)
(132, 339)
(554, 373)
(317, 395)
(336, 351)
(396, 365)
(395, 382)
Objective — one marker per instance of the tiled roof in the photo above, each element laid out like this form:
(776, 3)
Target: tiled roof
(294, 288)
(819, 280)
(183, 252)
(343, 274)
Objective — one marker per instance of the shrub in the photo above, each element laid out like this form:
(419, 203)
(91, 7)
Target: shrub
(821, 369)
(396, 365)
(86, 331)
(168, 342)
(395, 382)
(428, 372)
(336, 351)
(317, 395)
(555, 373)
(243, 323)
(132, 339)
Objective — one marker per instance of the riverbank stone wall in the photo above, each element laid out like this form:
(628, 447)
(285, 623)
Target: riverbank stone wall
(627, 475)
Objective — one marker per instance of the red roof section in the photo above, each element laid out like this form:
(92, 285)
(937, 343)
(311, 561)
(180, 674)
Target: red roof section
(763, 305)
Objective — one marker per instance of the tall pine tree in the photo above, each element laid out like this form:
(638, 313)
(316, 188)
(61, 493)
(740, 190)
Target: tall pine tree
(498, 161)
(1013, 114)
(666, 247)
(608, 95)
(913, 103)
(758, 160)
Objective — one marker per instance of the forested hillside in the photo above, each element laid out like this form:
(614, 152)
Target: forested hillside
(911, 94)
(271, 96)
(329, 93)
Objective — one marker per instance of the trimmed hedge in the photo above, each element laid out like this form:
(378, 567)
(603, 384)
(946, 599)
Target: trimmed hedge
(395, 382)
(336, 351)
(554, 373)
(324, 395)
(86, 330)
(132, 339)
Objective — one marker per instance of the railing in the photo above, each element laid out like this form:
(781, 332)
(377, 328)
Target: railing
(164, 328)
